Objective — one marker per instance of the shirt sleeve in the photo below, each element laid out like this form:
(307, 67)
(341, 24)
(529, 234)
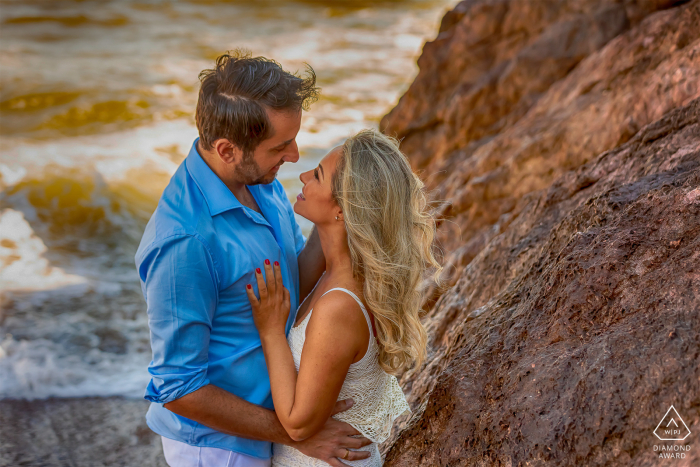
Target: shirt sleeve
(179, 280)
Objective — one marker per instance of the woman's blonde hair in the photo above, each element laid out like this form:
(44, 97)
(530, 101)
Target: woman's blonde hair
(390, 234)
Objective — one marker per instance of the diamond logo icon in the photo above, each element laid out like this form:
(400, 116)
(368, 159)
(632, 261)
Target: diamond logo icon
(672, 427)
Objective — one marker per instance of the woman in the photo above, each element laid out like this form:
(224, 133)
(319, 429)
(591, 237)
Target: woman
(361, 321)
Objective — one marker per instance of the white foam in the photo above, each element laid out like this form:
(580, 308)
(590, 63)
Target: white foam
(24, 266)
(112, 154)
(33, 369)
(11, 175)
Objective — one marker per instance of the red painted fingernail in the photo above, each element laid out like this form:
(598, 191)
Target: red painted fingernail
(257, 270)
(267, 261)
(276, 263)
(249, 286)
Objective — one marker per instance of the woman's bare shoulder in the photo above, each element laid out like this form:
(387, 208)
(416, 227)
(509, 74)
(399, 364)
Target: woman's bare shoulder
(336, 313)
(338, 305)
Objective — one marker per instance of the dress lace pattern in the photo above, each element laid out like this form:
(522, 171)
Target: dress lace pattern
(377, 395)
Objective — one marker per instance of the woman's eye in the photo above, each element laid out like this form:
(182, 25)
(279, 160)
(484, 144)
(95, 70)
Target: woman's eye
(316, 173)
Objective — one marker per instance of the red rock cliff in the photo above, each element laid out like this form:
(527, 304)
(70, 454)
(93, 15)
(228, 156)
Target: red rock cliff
(564, 138)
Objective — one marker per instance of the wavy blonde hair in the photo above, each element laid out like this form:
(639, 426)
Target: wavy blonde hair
(390, 234)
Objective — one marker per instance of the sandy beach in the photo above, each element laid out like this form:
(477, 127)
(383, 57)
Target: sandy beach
(77, 432)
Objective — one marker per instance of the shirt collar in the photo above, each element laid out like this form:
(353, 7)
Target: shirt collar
(217, 195)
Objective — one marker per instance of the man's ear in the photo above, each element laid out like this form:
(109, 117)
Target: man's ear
(228, 152)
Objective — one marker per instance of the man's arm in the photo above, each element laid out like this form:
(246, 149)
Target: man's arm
(312, 264)
(228, 413)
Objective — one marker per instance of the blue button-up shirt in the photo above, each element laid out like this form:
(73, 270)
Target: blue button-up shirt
(198, 252)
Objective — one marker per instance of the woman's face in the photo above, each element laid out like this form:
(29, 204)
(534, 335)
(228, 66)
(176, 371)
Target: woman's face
(315, 202)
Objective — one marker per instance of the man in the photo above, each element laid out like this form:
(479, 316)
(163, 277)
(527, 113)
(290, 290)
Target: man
(221, 216)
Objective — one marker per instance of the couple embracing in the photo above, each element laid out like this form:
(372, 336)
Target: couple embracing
(241, 374)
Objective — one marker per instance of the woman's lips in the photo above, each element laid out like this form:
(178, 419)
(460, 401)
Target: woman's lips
(300, 197)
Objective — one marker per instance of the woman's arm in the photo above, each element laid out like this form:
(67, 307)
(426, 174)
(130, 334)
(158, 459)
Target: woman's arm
(303, 403)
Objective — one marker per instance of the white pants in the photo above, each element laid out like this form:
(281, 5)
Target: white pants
(178, 454)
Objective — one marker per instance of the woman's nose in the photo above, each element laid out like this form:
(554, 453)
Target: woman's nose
(304, 176)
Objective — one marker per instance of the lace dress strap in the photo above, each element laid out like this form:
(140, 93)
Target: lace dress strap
(362, 306)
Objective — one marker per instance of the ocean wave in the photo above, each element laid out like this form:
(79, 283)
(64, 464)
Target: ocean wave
(77, 210)
(37, 101)
(72, 342)
(67, 334)
(81, 112)
(23, 264)
(97, 110)
(70, 20)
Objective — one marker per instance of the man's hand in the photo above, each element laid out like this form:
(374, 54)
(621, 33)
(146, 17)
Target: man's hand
(334, 439)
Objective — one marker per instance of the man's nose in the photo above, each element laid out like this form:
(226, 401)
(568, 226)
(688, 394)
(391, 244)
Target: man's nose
(292, 153)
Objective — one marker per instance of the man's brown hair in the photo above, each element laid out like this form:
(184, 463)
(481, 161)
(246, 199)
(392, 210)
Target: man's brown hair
(235, 94)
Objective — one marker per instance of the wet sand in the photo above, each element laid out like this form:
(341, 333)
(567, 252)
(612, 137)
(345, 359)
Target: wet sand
(77, 432)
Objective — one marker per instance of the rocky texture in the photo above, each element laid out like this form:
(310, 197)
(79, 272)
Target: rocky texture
(77, 432)
(565, 140)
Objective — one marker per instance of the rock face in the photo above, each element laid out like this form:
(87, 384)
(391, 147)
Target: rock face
(564, 138)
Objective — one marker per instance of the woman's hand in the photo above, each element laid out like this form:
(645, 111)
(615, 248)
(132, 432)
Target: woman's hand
(271, 311)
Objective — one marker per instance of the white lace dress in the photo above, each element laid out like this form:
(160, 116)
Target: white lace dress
(377, 395)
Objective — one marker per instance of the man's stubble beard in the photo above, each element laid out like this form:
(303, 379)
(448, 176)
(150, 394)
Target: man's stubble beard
(248, 172)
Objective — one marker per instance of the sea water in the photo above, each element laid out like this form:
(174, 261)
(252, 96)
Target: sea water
(96, 113)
